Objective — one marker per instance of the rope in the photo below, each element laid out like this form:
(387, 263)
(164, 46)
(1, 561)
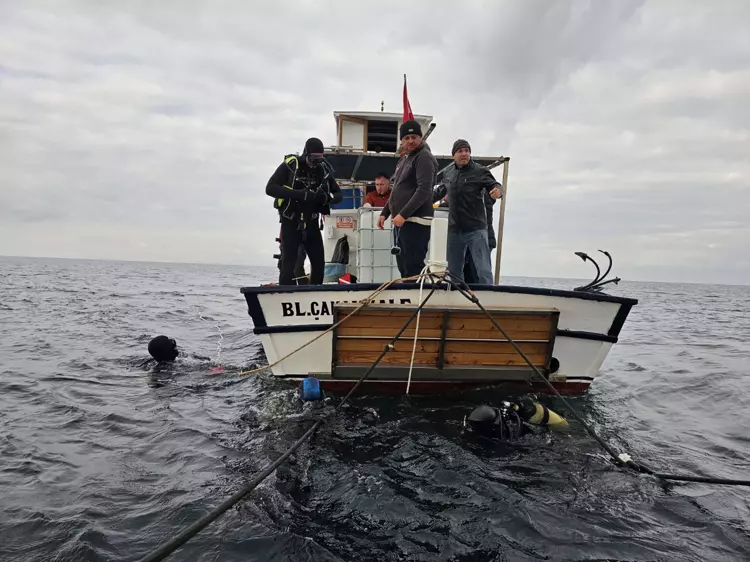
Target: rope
(424, 273)
(416, 329)
(705, 479)
(623, 459)
(218, 327)
(177, 541)
(364, 302)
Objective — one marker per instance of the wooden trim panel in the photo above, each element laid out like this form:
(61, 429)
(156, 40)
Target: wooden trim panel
(448, 339)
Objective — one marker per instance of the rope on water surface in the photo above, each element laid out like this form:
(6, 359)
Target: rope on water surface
(622, 459)
(173, 544)
(363, 303)
(218, 327)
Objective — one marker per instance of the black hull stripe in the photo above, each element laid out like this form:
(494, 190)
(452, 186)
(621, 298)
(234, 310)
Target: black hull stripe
(255, 310)
(289, 329)
(259, 320)
(619, 320)
(259, 330)
(602, 297)
(586, 336)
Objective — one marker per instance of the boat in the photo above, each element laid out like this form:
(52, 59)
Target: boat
(336, 331)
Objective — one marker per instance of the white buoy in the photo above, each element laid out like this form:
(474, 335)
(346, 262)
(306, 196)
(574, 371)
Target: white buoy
(439, 241)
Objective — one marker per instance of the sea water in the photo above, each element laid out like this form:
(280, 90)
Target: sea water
(104, 458)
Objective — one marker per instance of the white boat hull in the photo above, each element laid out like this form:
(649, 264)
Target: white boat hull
(288, 317)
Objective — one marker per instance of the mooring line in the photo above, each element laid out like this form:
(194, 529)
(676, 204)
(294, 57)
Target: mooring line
(364, 302)
(176, 542)
(623, 459)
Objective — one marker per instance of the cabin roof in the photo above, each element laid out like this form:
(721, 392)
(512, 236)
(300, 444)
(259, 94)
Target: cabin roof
(362, 167)
(379, 116)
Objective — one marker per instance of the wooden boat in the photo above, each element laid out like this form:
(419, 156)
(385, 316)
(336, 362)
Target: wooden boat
(566, 334)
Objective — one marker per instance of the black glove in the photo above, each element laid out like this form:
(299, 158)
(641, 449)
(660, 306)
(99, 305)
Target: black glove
(492, 241)
(321, 197)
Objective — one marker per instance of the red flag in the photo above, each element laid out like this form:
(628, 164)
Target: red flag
(408, 115)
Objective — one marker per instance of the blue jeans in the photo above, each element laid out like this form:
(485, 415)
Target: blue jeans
(478, 245)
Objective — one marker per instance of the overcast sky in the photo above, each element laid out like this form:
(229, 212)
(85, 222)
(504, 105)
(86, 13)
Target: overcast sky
(147, 130)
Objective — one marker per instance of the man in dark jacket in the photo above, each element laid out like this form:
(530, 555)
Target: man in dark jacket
(410, 202)
(467, 184)
(303, 188)
(470, 270)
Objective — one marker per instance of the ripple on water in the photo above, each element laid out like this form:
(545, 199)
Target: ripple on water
(104, 457)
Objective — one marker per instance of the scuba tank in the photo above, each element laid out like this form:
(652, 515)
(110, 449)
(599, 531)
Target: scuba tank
(509, 422)
(538, 414)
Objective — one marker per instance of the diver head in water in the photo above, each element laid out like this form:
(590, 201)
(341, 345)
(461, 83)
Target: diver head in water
(512, 419)
(163, 349)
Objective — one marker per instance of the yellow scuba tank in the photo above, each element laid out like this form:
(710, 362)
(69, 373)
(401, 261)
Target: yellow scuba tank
(535, 413)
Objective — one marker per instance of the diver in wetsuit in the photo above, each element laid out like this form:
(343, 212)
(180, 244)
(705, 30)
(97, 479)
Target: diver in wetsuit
(512, 420)
(163, 349)
(303, 188)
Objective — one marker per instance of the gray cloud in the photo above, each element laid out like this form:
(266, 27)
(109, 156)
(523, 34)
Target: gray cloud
(148, 130)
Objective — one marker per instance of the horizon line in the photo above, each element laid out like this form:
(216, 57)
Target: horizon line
(275, 267)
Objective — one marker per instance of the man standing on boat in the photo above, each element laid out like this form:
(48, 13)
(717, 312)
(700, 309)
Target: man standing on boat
(410, 203)
(466, 184)
(303, 189)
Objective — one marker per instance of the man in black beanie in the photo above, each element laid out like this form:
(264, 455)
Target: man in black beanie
(410, 203)
(468, 186)
(303, 188)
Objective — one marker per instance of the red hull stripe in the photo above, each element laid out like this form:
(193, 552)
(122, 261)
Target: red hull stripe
(376, 387)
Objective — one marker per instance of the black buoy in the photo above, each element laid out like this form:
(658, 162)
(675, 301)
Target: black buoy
(163, 348)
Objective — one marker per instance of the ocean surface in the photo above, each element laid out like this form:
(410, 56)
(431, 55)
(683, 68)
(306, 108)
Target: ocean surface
(104, 458)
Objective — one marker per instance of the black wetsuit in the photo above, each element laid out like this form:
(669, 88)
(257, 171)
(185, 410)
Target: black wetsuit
(302, 193)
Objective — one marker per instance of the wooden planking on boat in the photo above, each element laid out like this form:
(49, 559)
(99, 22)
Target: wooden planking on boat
(447, 337)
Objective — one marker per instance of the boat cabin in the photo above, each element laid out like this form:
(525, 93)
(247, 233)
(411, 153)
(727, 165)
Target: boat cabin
(368, 144)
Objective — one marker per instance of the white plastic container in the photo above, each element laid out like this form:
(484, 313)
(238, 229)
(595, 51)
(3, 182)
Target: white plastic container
(375, 263)
(438, 259)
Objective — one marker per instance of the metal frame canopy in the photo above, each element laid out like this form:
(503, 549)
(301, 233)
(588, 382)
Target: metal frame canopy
(360, 165)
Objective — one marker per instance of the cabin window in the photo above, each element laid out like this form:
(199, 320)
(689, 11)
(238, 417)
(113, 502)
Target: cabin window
(382, 136)
(353, 134)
